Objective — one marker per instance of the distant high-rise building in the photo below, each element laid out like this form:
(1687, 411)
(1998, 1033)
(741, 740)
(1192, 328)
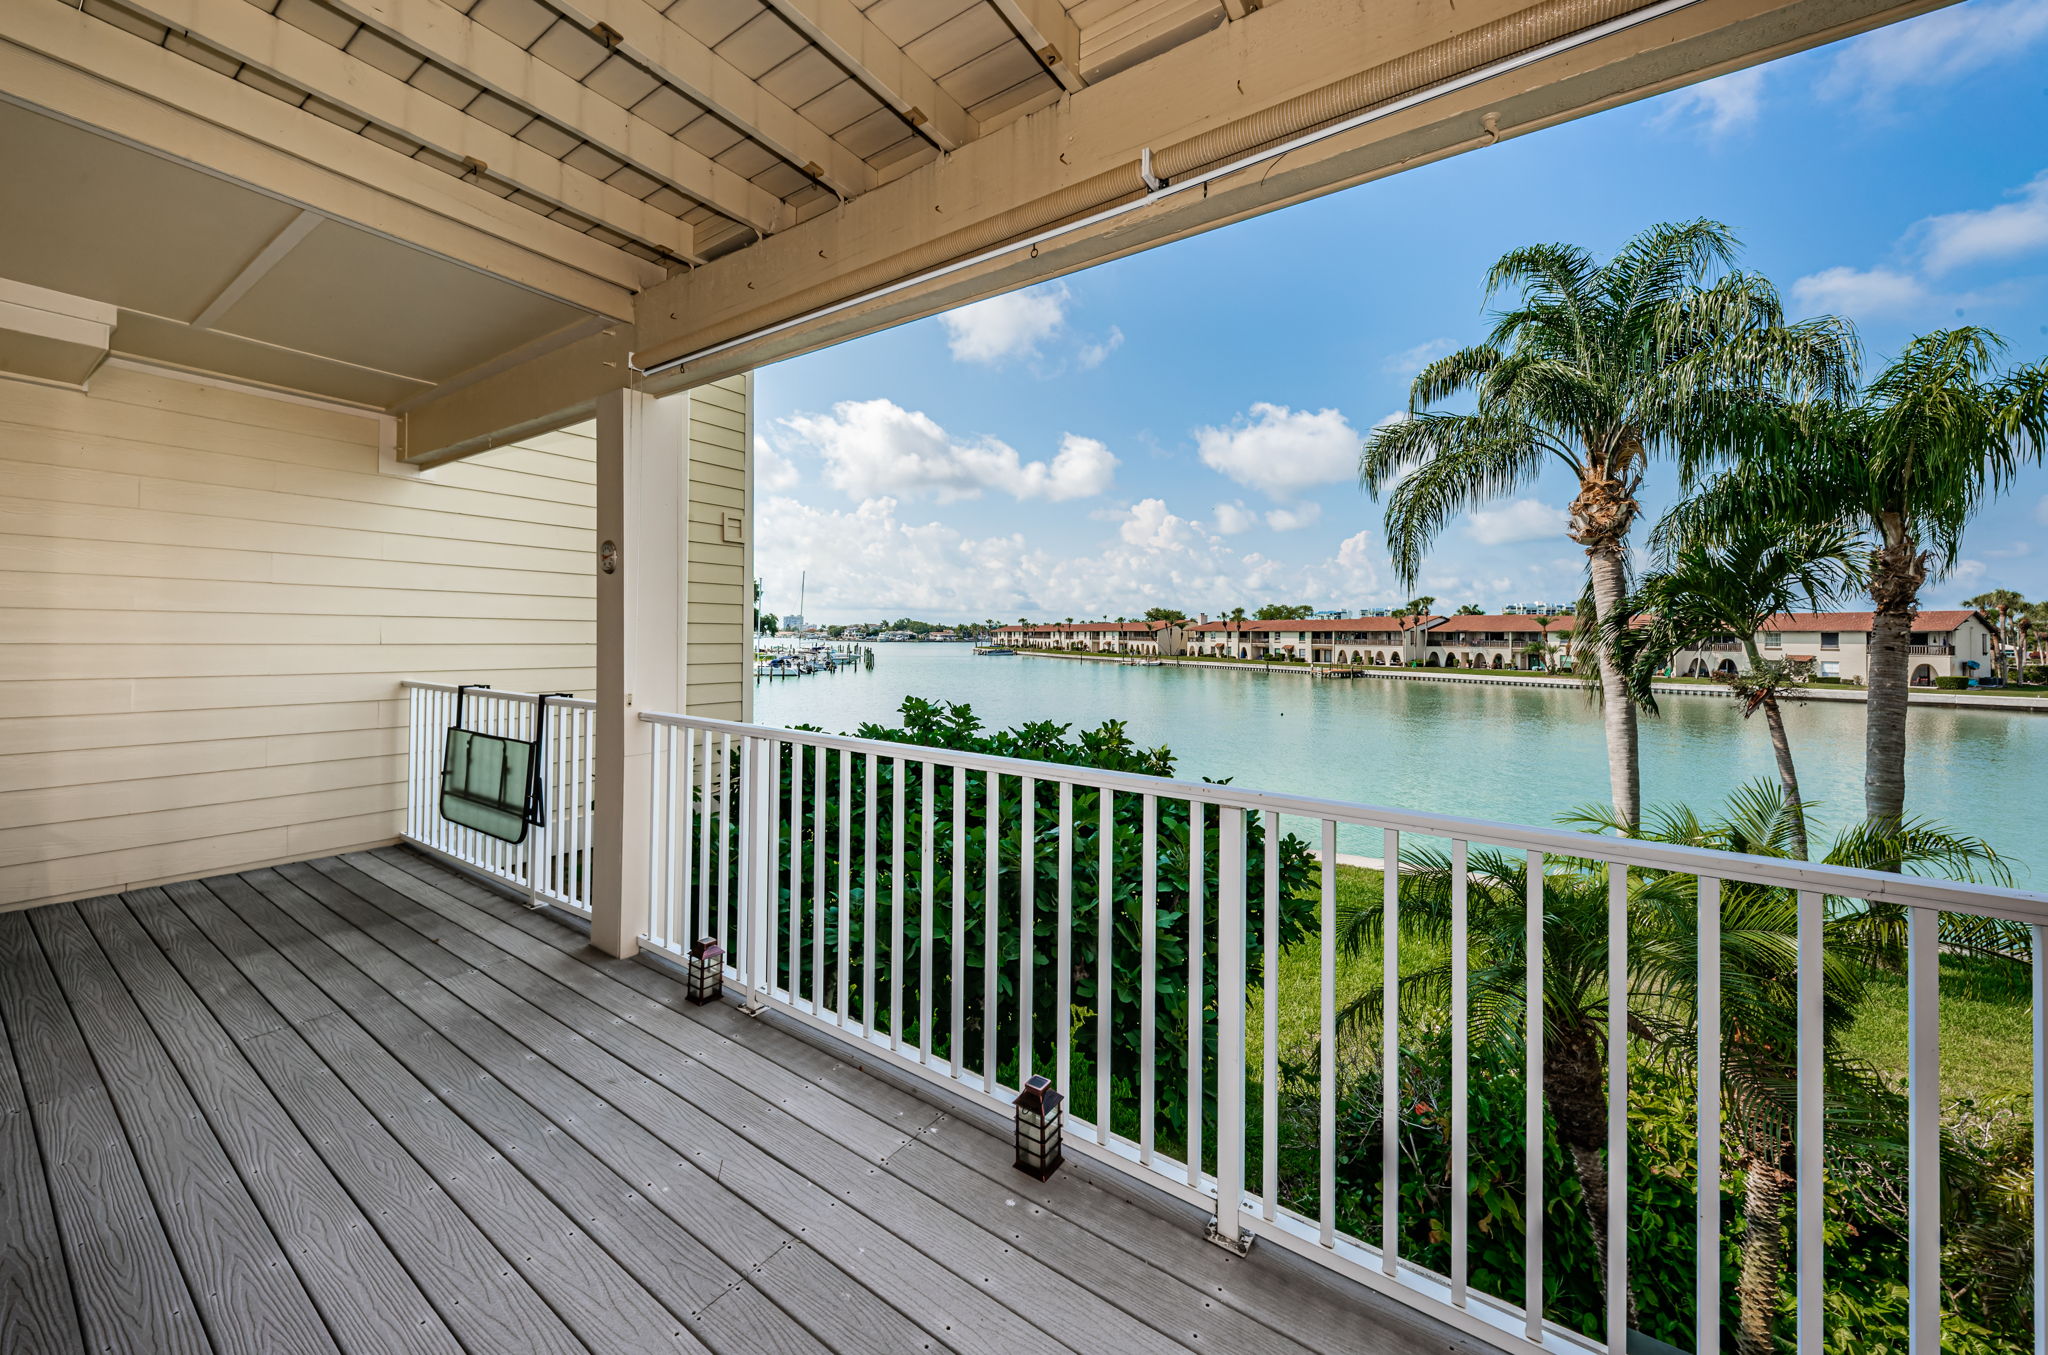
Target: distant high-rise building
(1334, 614)
(1375, 611)
(1539, 609)
(794, 621)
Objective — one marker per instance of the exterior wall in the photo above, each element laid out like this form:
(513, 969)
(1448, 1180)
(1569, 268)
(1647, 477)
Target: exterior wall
(208, 597)
(719, 623)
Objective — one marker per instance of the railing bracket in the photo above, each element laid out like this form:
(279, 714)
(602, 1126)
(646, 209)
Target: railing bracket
(1241, 1244)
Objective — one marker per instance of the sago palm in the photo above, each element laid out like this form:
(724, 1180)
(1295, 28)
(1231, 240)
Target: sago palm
(1759, 995)
(1710, 591)
(1934, 437)
(1600, 368)
(1574, 969)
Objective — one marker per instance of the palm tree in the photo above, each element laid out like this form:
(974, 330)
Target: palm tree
(1707, 591)
(2004, 606)
(1599, 367)
(1907, 463)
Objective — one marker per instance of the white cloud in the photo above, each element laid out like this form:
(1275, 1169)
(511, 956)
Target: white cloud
(1409, 361)
(2002, 232)
(1009, 326)
(1293, 519)
(876, 447)
(2041, 509)
(1934, 49)
(1233, 518)
(1859, 292)
(1719, 106)
(1522, 520)
(1281, 451)
(1150, 526)
(773, 472)
(2018, 550)
(1967, 572)
(1092, 355)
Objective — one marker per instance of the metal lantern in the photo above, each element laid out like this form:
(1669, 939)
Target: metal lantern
(707, 971)
(1039, 1124)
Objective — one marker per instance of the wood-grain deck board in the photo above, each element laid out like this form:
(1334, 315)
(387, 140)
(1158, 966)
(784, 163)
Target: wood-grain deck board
(365, 1104)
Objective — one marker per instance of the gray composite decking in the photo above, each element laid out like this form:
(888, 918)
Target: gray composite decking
(366, 1105)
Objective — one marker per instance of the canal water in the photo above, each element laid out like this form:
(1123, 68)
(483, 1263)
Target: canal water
(1518, 754)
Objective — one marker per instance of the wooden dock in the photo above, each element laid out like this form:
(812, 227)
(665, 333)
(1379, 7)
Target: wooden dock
(366, 1105)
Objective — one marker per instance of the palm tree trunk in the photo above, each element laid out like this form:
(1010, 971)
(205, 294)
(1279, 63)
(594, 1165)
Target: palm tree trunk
(1763, 1247)
(1788, 775)
(1618, 712)
(1897, 570)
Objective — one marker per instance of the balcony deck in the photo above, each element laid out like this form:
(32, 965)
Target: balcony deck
(366, 1105)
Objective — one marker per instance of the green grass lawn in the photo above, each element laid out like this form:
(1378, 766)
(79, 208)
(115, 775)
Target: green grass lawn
(1986, 1024)
(1987, 1030)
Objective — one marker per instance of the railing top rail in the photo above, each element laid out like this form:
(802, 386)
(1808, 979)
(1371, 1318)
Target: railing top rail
(1874, 886)
(525, 698)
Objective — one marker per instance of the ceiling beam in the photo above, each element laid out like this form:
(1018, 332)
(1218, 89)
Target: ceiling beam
(253, 272)
(850, 38)
(298, 58)
(1054, 38)
(89, 73)
(444, 34)
(1215, 96)
(679, 57)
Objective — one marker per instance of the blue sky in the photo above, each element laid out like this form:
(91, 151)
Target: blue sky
(1181, 428)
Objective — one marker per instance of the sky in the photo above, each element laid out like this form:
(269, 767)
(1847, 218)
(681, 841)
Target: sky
(1181, 428)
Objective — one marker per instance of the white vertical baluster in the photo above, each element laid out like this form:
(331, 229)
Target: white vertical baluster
(991, 947)
(898, 843)
(1532, 1072)
(2039, 936)
(1197, 946)
(1461, 1075)
(746, 887)
(1063, 949)
(1326, 1081)
(687, 866)
(412, 762)
(956, 940)
(1230, 1004)
(655, 855)
(1027, 920)
(1390, 1052)
(724, 883)
(1707, 1220)
(1617, 1108)
(1923, 1130)
(818, 891)
(1105, 942)
(1809, 1197)
(927, 832)
(842, 806)
(1148, 1007)
(768, 904)
(870, 913)
(1269, 1006)
(796, 872)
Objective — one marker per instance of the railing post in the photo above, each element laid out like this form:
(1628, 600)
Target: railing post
(757, 841)
(1227, 1228)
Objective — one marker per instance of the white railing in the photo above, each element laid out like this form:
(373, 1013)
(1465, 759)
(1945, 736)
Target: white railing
(554, 864)
(855, 886)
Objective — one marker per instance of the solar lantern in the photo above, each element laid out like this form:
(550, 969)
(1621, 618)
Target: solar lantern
(1040, 1123)
(707, 971)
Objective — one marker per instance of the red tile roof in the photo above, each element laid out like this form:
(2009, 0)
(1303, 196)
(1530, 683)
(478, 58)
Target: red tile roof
(1356, 624)
(1147, 627)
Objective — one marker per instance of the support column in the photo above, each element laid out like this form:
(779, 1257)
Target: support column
(642, 543)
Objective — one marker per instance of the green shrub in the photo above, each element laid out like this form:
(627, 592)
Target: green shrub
(1951, 684)
(847, 796)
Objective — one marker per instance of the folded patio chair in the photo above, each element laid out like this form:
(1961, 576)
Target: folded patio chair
(492, 783)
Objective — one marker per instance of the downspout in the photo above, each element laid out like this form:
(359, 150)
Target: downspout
(1533, 34)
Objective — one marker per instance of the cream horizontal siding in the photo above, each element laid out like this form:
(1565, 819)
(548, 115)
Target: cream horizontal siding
(720, 597)
(207, 599)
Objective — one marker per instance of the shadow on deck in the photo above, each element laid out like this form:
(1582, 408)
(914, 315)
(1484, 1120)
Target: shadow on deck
(364, 1104)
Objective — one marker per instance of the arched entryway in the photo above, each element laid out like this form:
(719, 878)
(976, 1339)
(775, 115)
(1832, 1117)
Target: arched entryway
(1726, 668)
(1923, 676)
(1433, 662)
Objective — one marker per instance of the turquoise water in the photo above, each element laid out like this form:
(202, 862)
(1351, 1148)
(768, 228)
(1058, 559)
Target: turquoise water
(1518, 754)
